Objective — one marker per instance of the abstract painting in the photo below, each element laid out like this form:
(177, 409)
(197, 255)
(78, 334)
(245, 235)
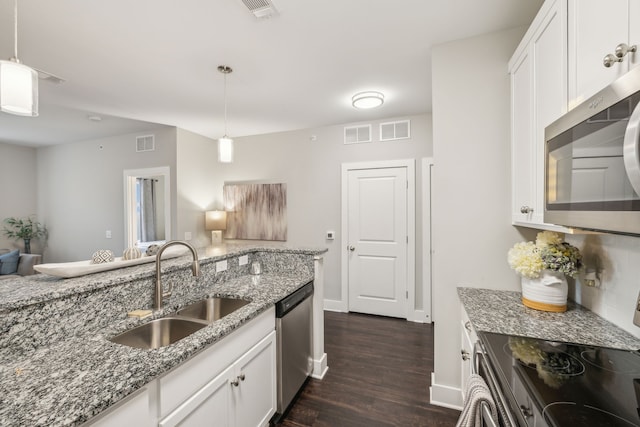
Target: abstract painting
(256, 211)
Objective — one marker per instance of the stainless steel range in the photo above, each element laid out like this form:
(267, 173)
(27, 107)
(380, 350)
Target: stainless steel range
(546, 383)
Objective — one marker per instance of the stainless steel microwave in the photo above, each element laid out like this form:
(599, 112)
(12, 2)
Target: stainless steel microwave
(592, 161)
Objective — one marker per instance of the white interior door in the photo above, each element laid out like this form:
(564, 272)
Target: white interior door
(377, 241)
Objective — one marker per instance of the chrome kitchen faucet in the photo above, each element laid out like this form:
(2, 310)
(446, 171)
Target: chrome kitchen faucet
(195, 269)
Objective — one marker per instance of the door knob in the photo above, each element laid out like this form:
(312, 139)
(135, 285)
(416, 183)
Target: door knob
(610, 59)
(352, 248)
(622, 49)
(526, 209)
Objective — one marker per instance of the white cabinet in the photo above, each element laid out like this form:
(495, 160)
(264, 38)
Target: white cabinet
(244, 394)
(468, 339)
(595, 28)
(538, 97)
(133, 411)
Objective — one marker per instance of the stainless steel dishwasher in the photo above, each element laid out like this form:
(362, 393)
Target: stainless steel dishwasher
(294, 345)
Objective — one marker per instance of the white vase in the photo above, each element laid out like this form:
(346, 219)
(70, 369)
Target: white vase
(547, 293)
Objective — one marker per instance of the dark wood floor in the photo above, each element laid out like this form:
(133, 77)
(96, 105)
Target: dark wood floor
(379, 375)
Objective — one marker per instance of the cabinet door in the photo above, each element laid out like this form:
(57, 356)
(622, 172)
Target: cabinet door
(134, 411)
(596, 27)
(255, 395)
(550, 92)
(210, 406)
(521, 139)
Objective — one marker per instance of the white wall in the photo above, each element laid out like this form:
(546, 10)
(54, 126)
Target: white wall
(81, 191)
(312, 172)
(471, 187)
(619, 257)
(18, 175)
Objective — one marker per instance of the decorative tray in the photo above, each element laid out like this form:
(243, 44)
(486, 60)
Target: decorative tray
(80, 268)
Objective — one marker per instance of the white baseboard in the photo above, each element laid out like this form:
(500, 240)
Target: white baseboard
(335, 305)
(320, 367)
(446, 396)
(419, 316)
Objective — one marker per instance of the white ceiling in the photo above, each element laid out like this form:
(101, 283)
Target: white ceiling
(156, 61)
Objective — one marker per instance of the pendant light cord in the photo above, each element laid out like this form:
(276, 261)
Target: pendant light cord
(15, 30)
(225, 105)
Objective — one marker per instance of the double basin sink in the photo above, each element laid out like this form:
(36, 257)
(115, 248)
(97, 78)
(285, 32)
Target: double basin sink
(167, 330)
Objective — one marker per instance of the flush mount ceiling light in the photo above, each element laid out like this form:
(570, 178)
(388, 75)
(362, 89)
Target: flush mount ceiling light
(225, 144)
(370, 99)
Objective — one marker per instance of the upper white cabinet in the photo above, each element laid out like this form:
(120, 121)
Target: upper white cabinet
(595, 29)
(538, 97)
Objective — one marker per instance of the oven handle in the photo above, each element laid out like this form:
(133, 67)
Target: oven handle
(631, 149)
(492, 382)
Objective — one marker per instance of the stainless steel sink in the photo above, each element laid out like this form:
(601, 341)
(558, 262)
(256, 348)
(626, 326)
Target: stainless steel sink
(158, 333)
(212, 309)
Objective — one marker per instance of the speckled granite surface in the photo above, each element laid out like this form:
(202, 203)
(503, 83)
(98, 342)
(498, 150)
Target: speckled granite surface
(58, 367)
(502, 312)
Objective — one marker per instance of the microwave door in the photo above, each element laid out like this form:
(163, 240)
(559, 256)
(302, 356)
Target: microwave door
(631, 149)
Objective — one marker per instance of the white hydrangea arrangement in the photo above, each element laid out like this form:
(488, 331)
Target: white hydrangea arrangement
(549, 252)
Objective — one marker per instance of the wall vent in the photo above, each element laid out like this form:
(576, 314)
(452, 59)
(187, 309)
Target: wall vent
(357, 134)
(261, 8)
(395, 130)
(145, 143)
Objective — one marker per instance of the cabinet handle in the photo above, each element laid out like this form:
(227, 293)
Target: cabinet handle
(622, 49)
(465, 354)
(242, 377)
(235, 383)
(467, 325)
(352, 248)
(610, 59)
(526, 209)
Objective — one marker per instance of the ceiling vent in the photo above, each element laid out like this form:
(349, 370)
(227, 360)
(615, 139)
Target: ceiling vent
(357, 134)
(395, 130)
(261, 9)
(145, 143)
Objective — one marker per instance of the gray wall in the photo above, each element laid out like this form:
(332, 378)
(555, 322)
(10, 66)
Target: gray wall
(472, 229)
(81, 191)
(312, 172)
(18, 175)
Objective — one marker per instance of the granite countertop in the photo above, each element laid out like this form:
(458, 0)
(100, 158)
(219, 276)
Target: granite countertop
(22, 291)
(68, 382)
(503, 312)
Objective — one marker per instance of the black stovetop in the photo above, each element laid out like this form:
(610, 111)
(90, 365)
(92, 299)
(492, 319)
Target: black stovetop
(570, 384)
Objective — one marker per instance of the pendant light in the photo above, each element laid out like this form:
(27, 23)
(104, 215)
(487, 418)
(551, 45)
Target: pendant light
(18, 83)
(225, 144)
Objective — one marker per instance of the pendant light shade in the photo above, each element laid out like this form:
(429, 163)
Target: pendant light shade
(225, 144)
(18, 83)
(225, 150)
(18, 89)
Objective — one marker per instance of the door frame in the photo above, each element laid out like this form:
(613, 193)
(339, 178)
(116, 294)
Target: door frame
(409, 164)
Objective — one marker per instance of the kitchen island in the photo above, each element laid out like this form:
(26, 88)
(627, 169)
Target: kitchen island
(58, 366)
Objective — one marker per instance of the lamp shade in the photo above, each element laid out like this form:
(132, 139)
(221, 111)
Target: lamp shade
(215, 220)
(18, 89)
(225, 150)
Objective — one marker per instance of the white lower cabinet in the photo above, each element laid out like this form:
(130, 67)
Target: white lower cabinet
(232, 383)
(468, 339)
(243, 395)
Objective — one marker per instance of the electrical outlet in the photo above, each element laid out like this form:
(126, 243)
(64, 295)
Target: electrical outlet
(221, 266)
(107, 234)
(331, 235)
(636, 314)
(243, 260)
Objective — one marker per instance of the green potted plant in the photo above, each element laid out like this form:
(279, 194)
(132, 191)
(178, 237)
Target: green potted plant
(25, 229)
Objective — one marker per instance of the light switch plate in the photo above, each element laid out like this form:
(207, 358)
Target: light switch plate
(636, 314)
(221, 266)
(243, 260)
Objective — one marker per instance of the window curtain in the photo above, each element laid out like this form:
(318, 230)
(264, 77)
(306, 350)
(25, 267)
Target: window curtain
(147, 203)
